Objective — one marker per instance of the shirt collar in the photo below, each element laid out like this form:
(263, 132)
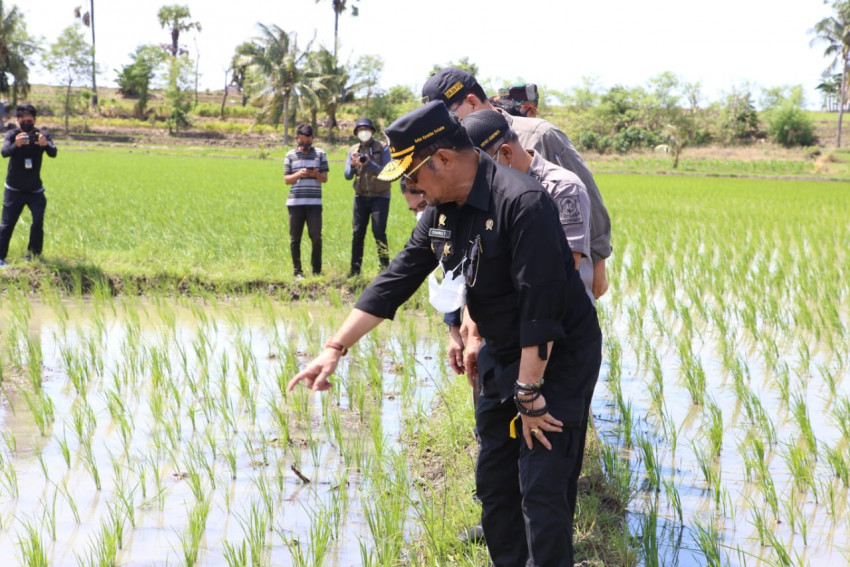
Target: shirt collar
(479, 195)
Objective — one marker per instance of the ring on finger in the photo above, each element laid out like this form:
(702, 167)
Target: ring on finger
(535, 431)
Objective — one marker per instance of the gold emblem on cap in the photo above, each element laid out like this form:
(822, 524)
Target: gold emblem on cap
(452, 90)
(489, 224)
(442, 221)
(395, 169)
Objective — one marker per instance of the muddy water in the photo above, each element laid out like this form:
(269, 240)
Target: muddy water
(174, 401)
(811, 524)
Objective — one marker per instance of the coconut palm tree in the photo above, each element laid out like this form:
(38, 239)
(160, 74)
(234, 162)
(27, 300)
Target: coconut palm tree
(334, 86)
(175, 18)
(282, 69)
(835, 32)
(16, 47)
(88, 20)
(339, 7)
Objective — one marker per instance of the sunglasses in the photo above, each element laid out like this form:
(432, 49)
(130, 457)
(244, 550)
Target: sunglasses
(408, 177)
(474, 255)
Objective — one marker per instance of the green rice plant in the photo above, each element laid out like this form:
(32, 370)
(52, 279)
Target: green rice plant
(673, 497)
(656, 385)
(386, 516)
(105, 544)
(237, 555)
(648, 527)
(837, 459)
(652, 471)
(707, 464)
(190, 539)
(801, 466)
(49, 513)
(41, 408)
(841, 415)
(783, 558)
(708, 541)
(714, 426)
(801, 416)
(613, 356)
(619, 477)
(31, 548)
(71, 503)
(759, 523)
(254, 528)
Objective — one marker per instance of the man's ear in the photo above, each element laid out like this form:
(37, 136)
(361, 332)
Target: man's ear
(445, 156)
(474, 101)
(507, 153)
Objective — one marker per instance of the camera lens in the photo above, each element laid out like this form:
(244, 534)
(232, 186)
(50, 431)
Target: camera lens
(362, 159)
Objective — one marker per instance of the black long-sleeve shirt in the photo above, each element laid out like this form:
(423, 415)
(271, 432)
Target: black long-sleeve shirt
(526, 291)
(24, 173)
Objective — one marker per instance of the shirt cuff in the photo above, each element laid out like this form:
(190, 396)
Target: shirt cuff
(374, 304)
(538, 331)
(452, 319)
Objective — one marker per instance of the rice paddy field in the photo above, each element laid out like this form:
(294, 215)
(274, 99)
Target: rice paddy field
(144, 418)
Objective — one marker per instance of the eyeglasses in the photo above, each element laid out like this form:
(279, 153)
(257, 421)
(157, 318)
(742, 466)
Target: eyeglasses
(473, 256)
(408, 177)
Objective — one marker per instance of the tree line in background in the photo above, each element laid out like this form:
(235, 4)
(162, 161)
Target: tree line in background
(285, 82)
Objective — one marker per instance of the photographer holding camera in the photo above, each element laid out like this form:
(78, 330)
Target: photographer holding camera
(365, 161)
(24, 146)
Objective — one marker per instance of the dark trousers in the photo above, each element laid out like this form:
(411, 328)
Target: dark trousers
(13, 206)
(312, 215)
(528, 497)
(378, 209)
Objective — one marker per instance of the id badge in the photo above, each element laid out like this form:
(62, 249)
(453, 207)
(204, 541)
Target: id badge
(27, 163)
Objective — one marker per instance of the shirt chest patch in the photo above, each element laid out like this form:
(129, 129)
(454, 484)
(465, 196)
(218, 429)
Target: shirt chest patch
(570, 211)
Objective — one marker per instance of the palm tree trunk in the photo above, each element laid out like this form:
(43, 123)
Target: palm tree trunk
(842, 100)
(67, 105)
(93, 60)
(336, 31)
(286, 120)
(224, 96)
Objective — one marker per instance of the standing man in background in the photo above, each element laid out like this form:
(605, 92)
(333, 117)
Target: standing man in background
(365, 161)
(25, 147)
(305, 168)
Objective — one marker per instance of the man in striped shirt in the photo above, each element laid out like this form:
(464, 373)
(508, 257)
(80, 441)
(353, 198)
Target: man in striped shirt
(305, 169)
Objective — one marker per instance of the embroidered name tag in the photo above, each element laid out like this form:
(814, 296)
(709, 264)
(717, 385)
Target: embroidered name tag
(440, 233)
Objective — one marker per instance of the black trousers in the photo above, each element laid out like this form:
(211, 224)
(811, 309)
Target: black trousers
(528, 497)
(312, 216)
(13, 205)
(378, 209)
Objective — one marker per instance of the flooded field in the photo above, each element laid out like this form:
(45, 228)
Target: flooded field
(154, 432)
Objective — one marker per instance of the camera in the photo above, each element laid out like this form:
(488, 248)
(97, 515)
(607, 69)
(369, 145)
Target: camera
(33, 136)
(363, 159)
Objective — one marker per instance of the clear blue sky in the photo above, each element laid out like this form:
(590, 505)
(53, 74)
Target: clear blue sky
(722, 43)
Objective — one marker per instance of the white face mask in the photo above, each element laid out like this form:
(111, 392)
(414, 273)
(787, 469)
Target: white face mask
(364, 135)
(450, 294)
(419, 215)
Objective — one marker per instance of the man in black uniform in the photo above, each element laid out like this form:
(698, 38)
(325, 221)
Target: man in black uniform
(499, 231)
(25, 147)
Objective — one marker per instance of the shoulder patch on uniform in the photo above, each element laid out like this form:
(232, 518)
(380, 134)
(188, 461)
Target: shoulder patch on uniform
(570, 210)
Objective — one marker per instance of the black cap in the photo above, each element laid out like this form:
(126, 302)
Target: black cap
(363, 122)
(521, 93)
(449, 85)
(414, 131)
(485, 128)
